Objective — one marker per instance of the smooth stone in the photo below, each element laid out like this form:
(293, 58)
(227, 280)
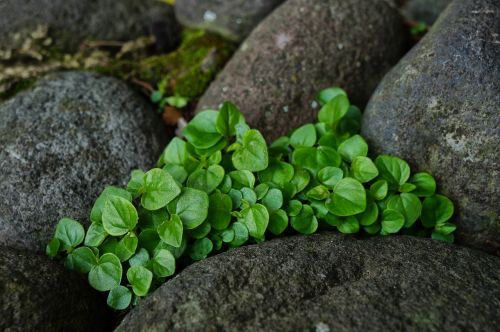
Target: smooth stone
(329, 282)
(233, 19)
(61, 143)
(72, 21)
(439, 109)
(303, 47)
(37, 294)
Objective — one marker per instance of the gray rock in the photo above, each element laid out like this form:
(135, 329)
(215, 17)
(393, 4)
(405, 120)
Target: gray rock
(329, 282)
(61, 143)
(439, 108)
(303, 47)
(424, 10)
(72, 21)
(233, 19)
(37, 294)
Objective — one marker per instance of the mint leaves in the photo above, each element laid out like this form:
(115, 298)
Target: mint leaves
(223, 187)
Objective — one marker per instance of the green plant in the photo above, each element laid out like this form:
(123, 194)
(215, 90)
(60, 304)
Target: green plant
(224, 186)
(159, 97)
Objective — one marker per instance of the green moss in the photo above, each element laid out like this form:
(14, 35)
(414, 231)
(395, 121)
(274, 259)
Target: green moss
(17, 87)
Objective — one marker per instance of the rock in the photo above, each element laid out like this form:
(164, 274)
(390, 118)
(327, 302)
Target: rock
(61, 144)
(37, 294)
(233, 19)
(71, 21)
(438, 108)
(301, 48)
(424, 10)
(329, 282)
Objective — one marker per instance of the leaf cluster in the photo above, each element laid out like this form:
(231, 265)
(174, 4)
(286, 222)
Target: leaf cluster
(223, 187)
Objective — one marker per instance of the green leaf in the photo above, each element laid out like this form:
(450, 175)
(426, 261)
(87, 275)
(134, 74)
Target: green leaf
(445, 228)
(136, 183)
(240, 234)
(353, 147)
(319, 208)
(273, 200)
(325, 95)
(119, 216)
(303, 136)
(363, 169)
(119, 298)
(393, 169)
(219, 210)
(177, 101)
(192, 207)
(201, 131)
(70, 233)
(314, 159)
(226, 184)
(126, 247)
(448, 238)
(228, 235)
(96, 212)
(242, 179)
(261, 190)
(301, 179)
(106, 274)
(201, 231)
(53, 247)
(82, 259)
(163, 263)
(108, 246)
(330, 176)
(227, 119)
(436, 210)
(215, 158)
(95, 235)
(348, 198)
(171, 231)
(140, 278)
(278, 222)
(379, 189)
(350, 124)
(152, 219)
(319, 193)
(278, 173)
(252, 155)
(294, 208)
(176, 152)
(425, 183)
(407, 187)
(248, 195)
(141, 257)
(236, 197)
(201, 248)
(392, 221)
(256, 219)
(348, 225)
(280, 146)
(334, 110)
(305, 222)
(156, 96)
(408, 205)
(373, 228)
(369, 216)
(206, 179)
(179, 173)
(160, 189)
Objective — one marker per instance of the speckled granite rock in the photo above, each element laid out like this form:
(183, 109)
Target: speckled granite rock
(233, 19)
(71, 21)
(329, 282)
(61, 143)
(303, 47)
(37, 294)
(439, 109)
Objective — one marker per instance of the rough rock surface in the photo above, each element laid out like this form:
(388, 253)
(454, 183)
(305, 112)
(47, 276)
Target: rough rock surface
(329, 282)
(71, 21)
(424, 10)
(303, 47)
(37, 294)
(439, 108)
(61, 143)
(233, 19)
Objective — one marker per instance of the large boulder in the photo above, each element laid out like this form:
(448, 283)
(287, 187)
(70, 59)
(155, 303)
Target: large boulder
(71, 21)
(439, 108)
(303, 47)
(329, 282)
(424, 10)
(61, 143)
(233, 19)
(37, 294)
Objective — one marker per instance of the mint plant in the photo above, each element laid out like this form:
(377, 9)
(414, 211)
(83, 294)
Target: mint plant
(223, 187)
